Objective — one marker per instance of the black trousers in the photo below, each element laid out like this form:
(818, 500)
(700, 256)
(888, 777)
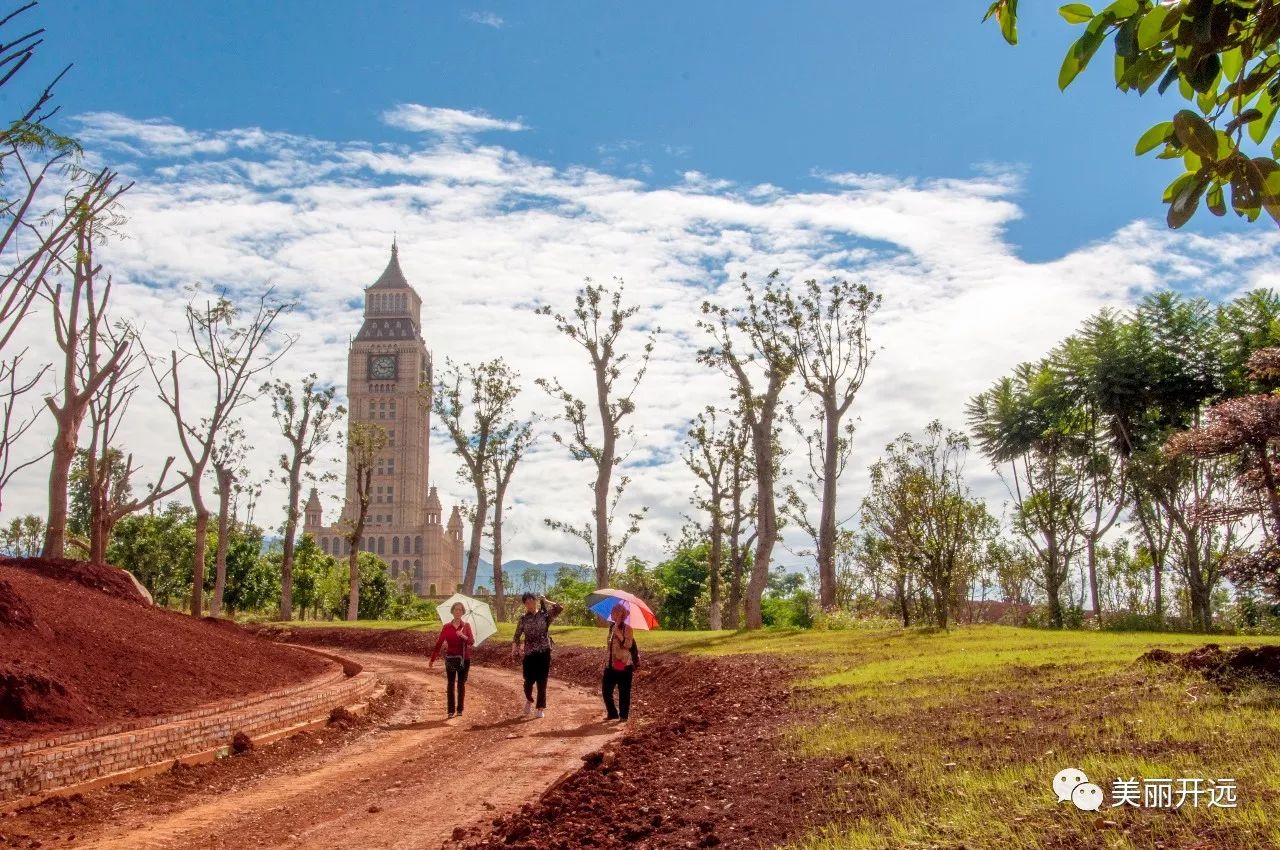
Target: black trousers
(621, 681)
(537, 667)
(456, 670)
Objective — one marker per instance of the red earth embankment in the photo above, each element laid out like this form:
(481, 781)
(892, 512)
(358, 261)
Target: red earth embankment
(79, 649)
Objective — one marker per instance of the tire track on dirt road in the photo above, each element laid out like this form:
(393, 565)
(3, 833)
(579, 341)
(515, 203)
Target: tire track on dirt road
(406, 785)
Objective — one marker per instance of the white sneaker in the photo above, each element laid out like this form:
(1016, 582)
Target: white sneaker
(528, 707)
(541, 714)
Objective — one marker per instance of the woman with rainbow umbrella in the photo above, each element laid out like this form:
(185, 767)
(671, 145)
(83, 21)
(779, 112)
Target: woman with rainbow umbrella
(625, 613)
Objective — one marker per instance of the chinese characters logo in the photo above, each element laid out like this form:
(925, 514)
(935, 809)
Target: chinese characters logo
(1073, 785)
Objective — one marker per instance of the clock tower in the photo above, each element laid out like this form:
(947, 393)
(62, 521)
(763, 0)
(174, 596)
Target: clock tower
(389, 380)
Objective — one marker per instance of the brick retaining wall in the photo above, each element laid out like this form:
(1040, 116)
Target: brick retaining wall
(36, 768)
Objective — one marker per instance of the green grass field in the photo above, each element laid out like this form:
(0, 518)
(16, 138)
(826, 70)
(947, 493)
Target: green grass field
(951, 739)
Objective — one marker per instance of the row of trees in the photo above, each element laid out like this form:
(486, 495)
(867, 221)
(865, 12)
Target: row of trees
(58, 214)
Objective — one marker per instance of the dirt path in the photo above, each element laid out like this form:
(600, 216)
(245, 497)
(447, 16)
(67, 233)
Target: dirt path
(407, 785)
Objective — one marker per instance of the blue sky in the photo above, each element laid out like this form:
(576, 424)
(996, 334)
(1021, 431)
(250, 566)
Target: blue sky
(755, 92)
(516, 149)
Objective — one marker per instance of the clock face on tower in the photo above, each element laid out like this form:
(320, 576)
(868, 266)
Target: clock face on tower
(382, 366)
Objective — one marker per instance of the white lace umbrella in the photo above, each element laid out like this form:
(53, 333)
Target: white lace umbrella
(478, 615)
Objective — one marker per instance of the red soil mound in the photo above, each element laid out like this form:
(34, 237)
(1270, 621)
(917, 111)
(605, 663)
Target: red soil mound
(1260, 663)
(100, 577)
(704, 766)
(14, 613)
(94, 658)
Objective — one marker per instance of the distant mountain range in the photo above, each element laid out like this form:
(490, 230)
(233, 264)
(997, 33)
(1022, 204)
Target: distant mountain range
(513, 574)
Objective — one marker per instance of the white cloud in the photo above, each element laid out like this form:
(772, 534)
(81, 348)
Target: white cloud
(487, 19)
(445, 121)
(486, 232)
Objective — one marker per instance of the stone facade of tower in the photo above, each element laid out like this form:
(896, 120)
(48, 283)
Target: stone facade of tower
(388, 384)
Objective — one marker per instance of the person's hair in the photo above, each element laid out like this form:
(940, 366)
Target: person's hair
(526, 596)
(455, 606)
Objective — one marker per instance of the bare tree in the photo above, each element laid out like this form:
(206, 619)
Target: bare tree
(486, 391)
(827, 327)
(510, 445)
(596, 324)
(91, 354)
(229, 355)
(739, 481)
(707, 454)
(108, 471)
(306, 420)
(227, 459)
(30, 153)
(12, 388)
(759, 374)
(365, 441)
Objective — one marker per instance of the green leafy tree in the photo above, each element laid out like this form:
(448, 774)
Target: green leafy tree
(253, 577)
(683, 578)
(158, 549)
(79, 495)
(23, 537)
(1220, 56)
(377, 590)
(311, 566)
(918, 502)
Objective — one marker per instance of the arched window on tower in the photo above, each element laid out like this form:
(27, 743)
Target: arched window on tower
(406, 545)
(382, 545)
(417, 545)
(417, 569)
(395, 545)
(324, 545)
(395, 569)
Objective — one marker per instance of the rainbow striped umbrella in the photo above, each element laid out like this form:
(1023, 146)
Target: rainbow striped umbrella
(639, 615)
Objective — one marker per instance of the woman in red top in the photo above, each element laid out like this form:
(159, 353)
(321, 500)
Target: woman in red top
(457, 639)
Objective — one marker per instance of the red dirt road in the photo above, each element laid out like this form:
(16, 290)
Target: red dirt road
(407, 785)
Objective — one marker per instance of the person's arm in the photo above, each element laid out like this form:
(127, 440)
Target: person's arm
(554, 610)
(515, 642)
(439, 643)
(628, 637)
(467, 636)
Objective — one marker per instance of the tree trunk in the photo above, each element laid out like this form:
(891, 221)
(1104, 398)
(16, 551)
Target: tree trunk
(197, 560)
(99, 535)
(733, 610)
(499, 592)
(1053, 590)
(604, 472)
(766, 519)
(64, 452)
(1157, 565)
(827, 517)
(353, 595)
(290, 533)
(940, 609)
(99, 519)
(904, 605)
(225, 479)
(603, 475)
(477, 533)
(717, 555)
(1091, 552)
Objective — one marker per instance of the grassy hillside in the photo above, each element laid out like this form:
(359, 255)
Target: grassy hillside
(952, 739)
